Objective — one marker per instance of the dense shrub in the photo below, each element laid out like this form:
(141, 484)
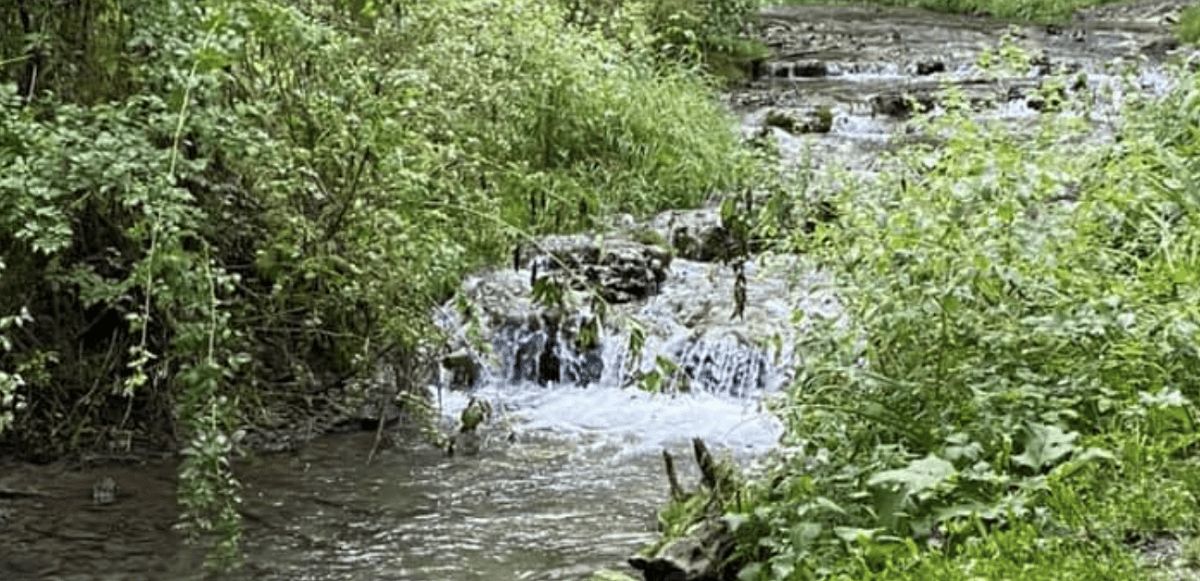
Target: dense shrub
(1013, 384)
(225, 203)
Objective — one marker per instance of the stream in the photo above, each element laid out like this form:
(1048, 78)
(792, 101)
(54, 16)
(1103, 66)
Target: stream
(569, 474)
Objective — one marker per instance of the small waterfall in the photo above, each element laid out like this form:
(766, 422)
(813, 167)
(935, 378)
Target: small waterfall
(527, 355)
(725, 367)
(536, 355)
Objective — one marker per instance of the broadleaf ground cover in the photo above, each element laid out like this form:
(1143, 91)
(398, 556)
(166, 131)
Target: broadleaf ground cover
(1011, 390)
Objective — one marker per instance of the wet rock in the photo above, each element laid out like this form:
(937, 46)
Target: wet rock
(697, 556)
(620, 270)
(810, 69)
(901, 105)
(462, 368)
(694, 234)
(1040, 61)
(1159, 47)
(929, 67)
(800, 121)
(373, 412)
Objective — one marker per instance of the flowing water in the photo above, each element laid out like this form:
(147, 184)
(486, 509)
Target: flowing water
(569, 474)
(568, 478)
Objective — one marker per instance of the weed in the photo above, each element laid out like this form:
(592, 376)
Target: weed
(1012, 388)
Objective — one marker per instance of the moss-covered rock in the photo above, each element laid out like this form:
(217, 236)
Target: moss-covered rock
(801, 121)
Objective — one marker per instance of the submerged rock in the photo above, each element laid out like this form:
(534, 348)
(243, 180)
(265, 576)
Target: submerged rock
(104, 491)
(466, 444)
(610, 575)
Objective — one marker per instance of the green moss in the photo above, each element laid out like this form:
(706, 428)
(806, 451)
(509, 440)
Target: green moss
(824, 117)
(649, 237)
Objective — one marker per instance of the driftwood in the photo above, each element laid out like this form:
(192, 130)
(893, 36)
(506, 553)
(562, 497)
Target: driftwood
(708, 466)
(677, 493)
(704, 459)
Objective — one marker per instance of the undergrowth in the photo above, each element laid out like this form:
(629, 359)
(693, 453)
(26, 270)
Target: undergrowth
(208, 208)
(1188, 28)
(1011, 389)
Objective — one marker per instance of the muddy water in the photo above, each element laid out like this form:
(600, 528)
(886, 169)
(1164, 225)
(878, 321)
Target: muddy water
(568, 478)
(538, 503)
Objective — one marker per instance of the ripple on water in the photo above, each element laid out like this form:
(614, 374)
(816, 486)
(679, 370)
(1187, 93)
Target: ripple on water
(575, 488)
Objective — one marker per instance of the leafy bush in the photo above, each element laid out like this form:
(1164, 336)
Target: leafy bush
(689, 32)
(1017, 367)
(229, 204)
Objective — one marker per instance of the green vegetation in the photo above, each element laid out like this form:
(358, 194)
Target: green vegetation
(1012, 392)
(209, 208)
(1188, 28)
(1031, 10)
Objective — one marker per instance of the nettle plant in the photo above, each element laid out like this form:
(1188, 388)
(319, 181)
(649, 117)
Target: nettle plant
(1018, 345)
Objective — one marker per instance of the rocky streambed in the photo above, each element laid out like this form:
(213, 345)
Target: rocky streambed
(565, 476)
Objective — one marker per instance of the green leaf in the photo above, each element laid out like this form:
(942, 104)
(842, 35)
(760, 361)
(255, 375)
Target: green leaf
(750, 572)
(1044, 445)
(919, 475)
(853, 534)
